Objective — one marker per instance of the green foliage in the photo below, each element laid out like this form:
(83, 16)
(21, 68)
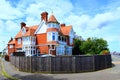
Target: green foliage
(76, 50)
(90, 46)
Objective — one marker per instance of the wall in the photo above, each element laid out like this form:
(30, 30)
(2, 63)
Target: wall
(11, 50)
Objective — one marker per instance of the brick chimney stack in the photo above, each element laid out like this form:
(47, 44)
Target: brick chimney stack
(22, 24)
(44, 16)
(62, 25)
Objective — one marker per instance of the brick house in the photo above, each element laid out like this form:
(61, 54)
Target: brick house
(49, 37)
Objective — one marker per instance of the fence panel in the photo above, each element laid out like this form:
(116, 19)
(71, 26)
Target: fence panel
(62, 64)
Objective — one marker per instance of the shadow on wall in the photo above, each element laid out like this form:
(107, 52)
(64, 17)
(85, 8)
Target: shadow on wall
(37, 77)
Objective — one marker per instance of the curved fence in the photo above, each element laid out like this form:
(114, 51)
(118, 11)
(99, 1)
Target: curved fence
(62, 64)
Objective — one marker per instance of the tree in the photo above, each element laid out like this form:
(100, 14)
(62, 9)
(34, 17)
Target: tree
(76, 50)
(90, 46)
(94, 46)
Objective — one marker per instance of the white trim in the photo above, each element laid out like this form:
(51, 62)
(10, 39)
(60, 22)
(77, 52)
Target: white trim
(40, 26)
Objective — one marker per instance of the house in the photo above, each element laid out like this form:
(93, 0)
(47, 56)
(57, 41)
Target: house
(49, 37)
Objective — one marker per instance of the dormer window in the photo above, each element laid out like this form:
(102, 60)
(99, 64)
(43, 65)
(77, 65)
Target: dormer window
(19, 41)
(23, 30)
(11, 46)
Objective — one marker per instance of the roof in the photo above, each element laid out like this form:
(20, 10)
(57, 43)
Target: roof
(19, 34)
(65, 30)
(52, 19)
(29, 31)
(12, 42)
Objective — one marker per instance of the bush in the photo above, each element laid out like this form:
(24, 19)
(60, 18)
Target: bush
(6, 57)
(104, 52)
(90, 46)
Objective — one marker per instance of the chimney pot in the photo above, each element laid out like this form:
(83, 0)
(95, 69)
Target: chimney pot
(44, 16)
(62, 25)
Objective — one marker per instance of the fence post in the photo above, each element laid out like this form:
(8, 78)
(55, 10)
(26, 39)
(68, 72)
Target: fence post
(93, 62)
(74, 63)
(30, 64)
(50, 65)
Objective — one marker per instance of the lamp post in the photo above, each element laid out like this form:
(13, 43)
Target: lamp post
(3, 51)
(3, 48)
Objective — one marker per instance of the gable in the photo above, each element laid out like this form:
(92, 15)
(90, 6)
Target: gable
(41, 28)
(23, 30)
(71, 32)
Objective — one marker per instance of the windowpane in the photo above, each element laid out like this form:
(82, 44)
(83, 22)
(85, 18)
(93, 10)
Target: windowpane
(53, 36)
(19, 41)
(11, 46)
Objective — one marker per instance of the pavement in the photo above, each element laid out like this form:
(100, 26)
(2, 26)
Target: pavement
(1, 76)
(106, 74)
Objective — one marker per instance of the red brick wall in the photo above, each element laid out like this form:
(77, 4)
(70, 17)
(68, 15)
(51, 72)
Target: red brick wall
(43, 49)
(11, 50)
(16, 42)
(41, 39)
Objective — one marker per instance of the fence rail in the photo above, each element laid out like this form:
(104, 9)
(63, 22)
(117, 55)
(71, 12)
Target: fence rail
(62, 64)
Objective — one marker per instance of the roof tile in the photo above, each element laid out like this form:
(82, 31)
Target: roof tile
(65, 30)
(12, 42)
(30, 31)
(52, 19)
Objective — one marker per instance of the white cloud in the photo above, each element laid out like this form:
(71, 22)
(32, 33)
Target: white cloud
(1, 26)
(32, 21)
(9, 12)
(87, 23)
(97, 25)
(10, 26)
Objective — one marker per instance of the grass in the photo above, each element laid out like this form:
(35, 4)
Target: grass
(5, 74)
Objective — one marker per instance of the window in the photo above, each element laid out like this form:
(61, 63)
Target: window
(19, 41)
(49, 36)
(49, 24)
(65, 39)
(11, 46)
(53, 36)
(59, 38)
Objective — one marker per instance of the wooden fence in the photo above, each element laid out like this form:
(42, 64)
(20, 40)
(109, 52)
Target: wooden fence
(62, 64)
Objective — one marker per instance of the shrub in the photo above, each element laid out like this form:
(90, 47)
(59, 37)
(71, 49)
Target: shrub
(6, 57)
(104, 52)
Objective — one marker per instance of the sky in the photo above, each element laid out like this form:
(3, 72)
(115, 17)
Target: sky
(89, 18)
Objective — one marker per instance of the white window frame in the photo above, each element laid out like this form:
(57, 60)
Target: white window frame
(71, 40)
(19, 41)
(11, 46)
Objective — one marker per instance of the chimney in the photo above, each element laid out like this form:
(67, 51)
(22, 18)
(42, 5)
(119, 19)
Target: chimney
(62, 25)
(44, 16)
(11, 39)
(22, 24)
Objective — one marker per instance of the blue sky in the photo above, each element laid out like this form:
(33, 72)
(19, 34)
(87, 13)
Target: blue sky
(89, 18)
